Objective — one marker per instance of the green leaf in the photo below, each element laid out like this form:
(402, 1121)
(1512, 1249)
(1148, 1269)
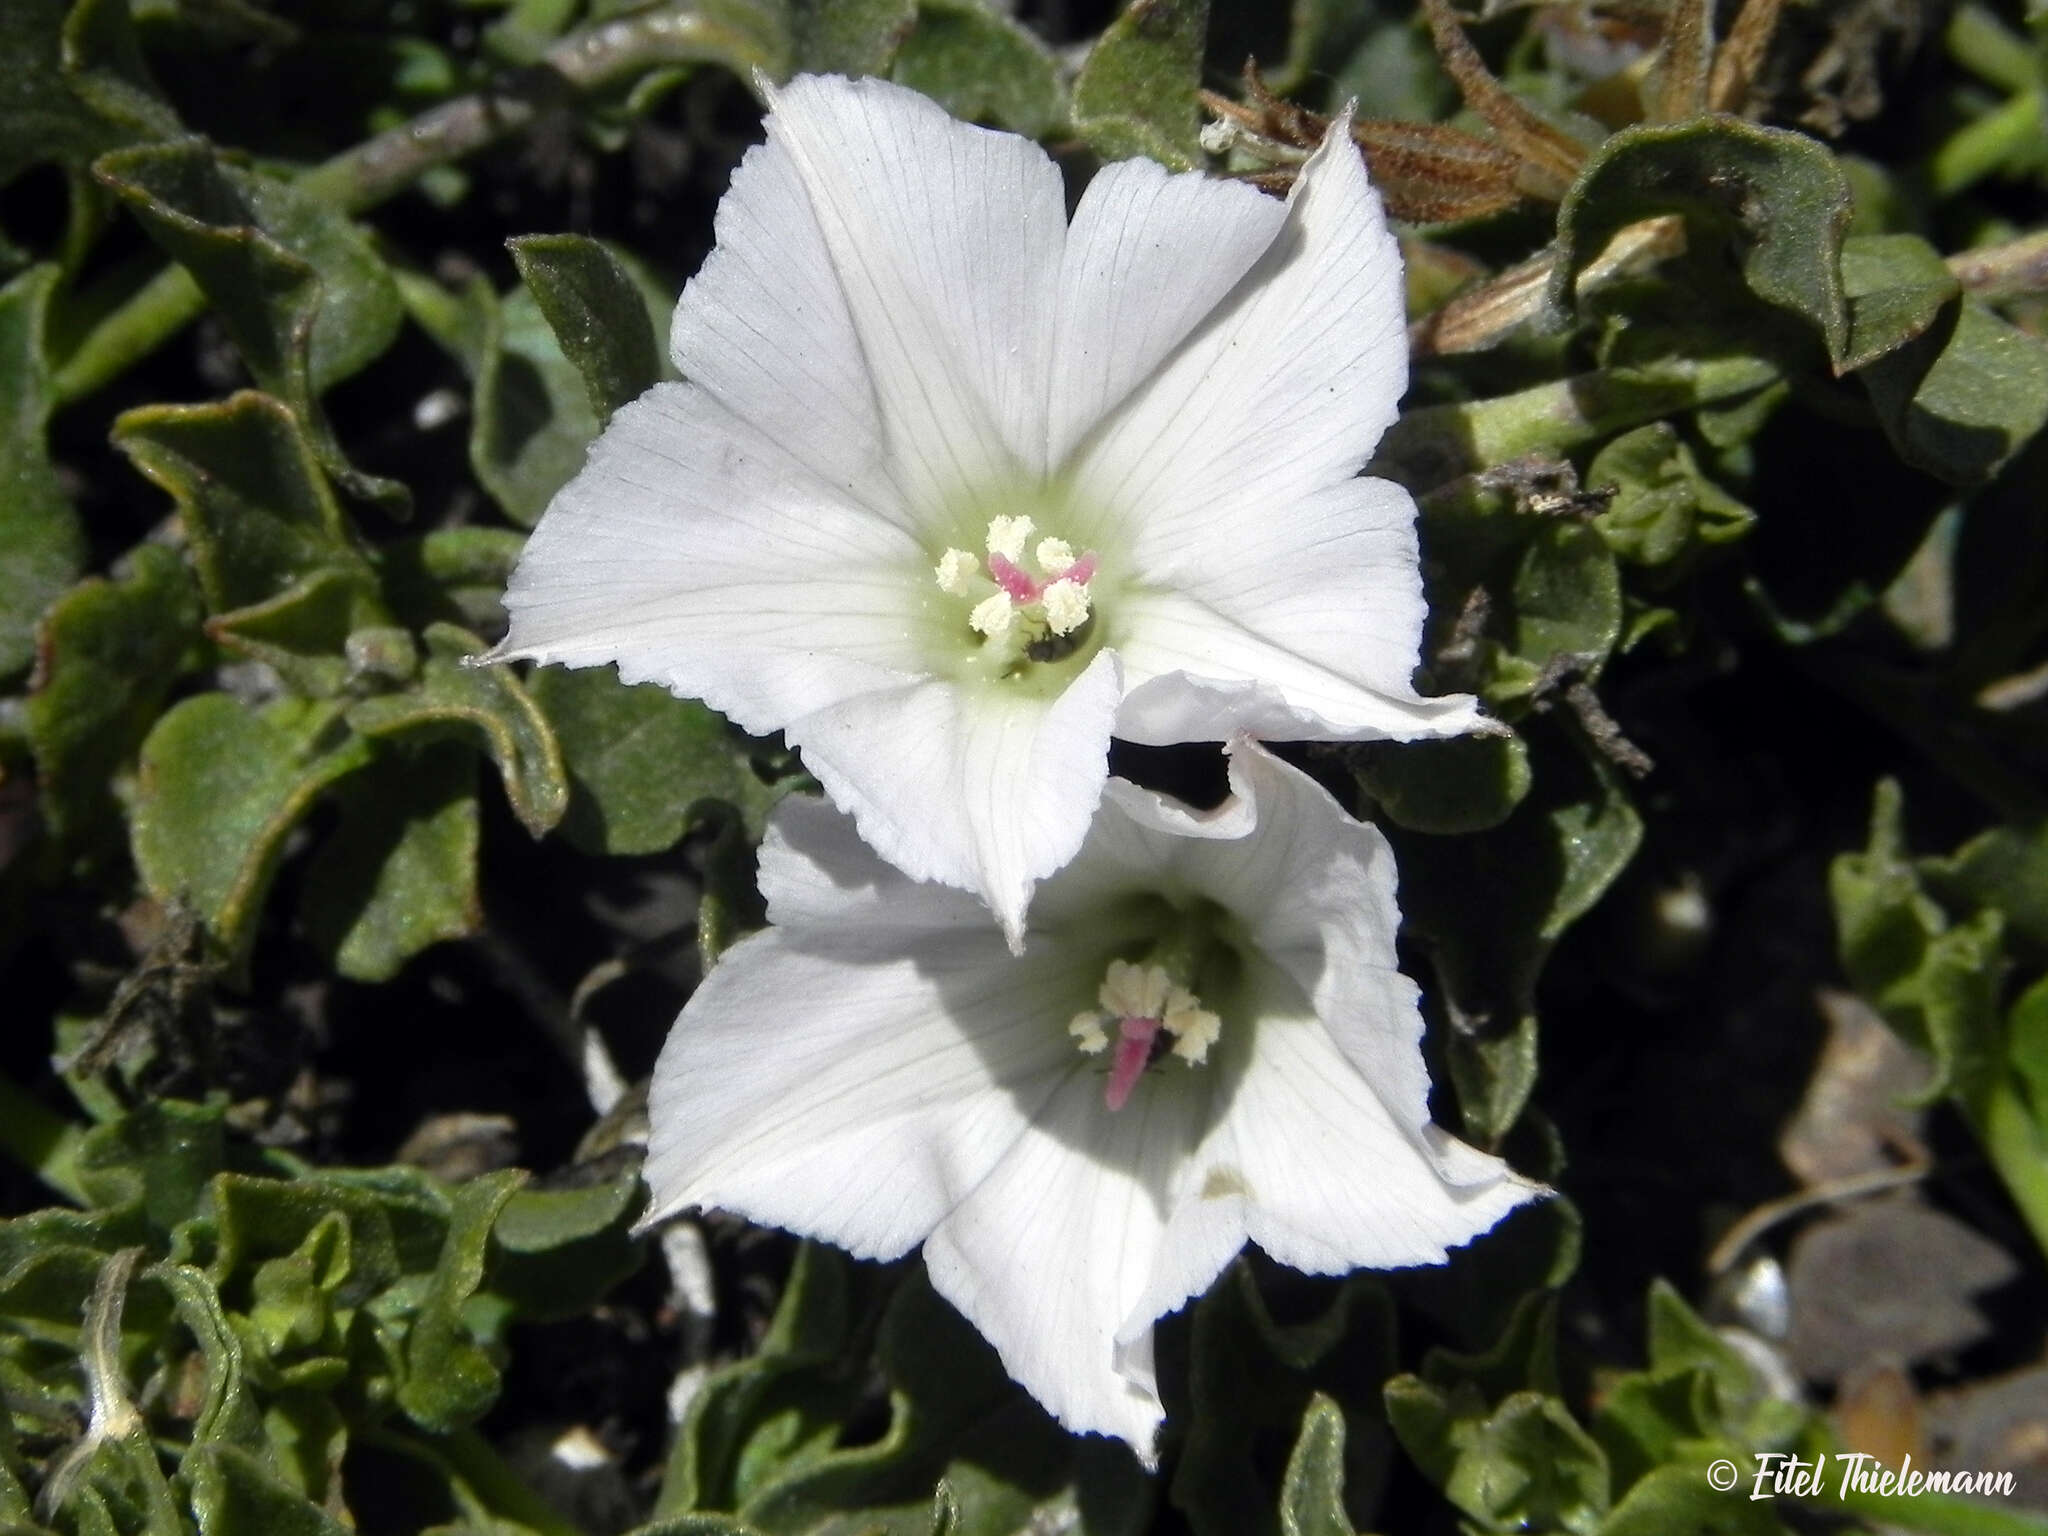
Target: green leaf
(761, 1409)
(450, 1382)
(2005, 868)
(531, 418)
(1564, 600)
(1135, 95)
(227, 1413)
(1664, 508)
(1312, 1496)
(641, 760)
(2026, 1033)
(1680, 1501)
(42, 545)
(220, 788)
(235, 1494)
(299, 287)
(157, 1158)
(1456, 785)
(1252, 1378)
(1491, 905)
(399, 873)
(275, 553)
(559, 1250)
(452, 575)
(484, 704)
(1775, 198)
(74, 85)
(1526, 1465)
(982, 66)
(110, 653)
(604, 320)
(1548, 588)
(848, 37)
(1964, 396)
(1897, 286)
(1936, 984)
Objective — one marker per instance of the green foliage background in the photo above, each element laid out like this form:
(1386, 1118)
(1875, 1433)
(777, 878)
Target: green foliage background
(1726, 427)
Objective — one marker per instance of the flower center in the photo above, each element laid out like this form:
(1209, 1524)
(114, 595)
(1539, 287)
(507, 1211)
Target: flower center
(1153, 1016)
(1026, 605)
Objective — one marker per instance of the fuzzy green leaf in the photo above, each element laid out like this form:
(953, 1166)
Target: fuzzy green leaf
(74, 85)
(1775, 198)
(982, 66)
(235, 1494)
(485, 705)
(641, 760)
(399, 873)
(1897, 286)
(1456, 785)
(848, 37)
(1491, 905)
(1135, 95)
(1312, 1495)
(605, 320)
(1525, 1465)
(449, 1380)
(1664, 508)
(41, 543)
(250, 492)
(110, 653)
(531, 420)
(559, 1250)
(1963, 397)
(220, 788)
(1935, 983)
(1680, 1501)
(2005, 868)
(1251, 1378)
(300, 288)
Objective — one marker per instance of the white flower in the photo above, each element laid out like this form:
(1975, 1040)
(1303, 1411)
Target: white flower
(954, 490)
(1204, 1042)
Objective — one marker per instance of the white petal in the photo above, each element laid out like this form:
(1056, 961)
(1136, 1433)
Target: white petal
(1285, 388)
(1051, 1253)
(698, 554)
(817, 874)
(1148, 256)
(945, 240)
(978, 788)
(764, 327)
(852, 1092)
(1306, 1160)
(1303, 623)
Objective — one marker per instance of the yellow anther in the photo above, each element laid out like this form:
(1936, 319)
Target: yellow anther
(1066, 606)
(1088, 1034)
(993, 616)
(1054, 556)
(1134, 991)
(1006, 536)
(957, 571)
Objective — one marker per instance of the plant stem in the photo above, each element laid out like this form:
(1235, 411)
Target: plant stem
(41, 1140)
(1427, 447)
(379, 168)
(1989, 49)
(2004, 271)
(1974, 152)
(2017, 1150)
